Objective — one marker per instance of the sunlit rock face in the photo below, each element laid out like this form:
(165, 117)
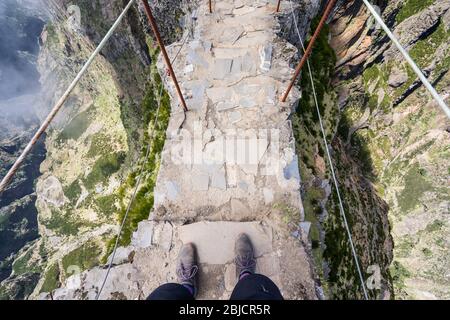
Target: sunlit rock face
(389, 142)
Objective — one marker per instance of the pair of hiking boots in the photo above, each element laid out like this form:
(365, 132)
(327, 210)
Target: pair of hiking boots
(187, 266)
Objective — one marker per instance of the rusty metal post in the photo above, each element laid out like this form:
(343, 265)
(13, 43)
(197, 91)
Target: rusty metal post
(278, 5)
(210, 6)
(152, 21)
(327, 12)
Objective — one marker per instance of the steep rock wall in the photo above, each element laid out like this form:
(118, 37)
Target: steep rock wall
(94, 143)
(389, 144)
(403, 143)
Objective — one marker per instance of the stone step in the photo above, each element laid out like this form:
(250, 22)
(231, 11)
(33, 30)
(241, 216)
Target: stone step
(279, 256)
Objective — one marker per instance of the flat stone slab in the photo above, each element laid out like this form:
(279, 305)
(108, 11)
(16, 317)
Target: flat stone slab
(215, 240)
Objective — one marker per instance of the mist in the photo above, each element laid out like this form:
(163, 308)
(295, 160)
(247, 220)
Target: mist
(21, 24)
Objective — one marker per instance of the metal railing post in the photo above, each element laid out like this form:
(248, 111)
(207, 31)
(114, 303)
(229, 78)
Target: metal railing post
(327, 12)
(152, 21)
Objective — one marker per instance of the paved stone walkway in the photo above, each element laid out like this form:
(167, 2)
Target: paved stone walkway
(228, 165)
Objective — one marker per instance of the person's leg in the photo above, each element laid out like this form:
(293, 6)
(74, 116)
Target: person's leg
(251, 286)
(256, 287)
(186, 288)
(171, 291)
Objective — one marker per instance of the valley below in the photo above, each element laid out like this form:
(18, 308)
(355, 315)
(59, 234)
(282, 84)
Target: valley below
(389, 142)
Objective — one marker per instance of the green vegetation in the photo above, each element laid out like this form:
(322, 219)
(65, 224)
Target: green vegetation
(103, 168)
(354, 164)
(305, 121)
(399, 273)
(290, 214)
(404, 246)
(415, 186)
(342, 274)
(51, 279)
(22, 265)
(411, 7)
(73, 191)
(143, 202)
(62, 223)
(100, 144)
(436, 225)
(322, 64)
(52, 34)
(424, 50)
(84, 257)
(4, 217)
(427, 252)
(375, 80)
(311, 205)
(144, 198)
(75, 128)
(106, 204)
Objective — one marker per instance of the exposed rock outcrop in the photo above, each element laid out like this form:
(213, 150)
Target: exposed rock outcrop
(392, 166)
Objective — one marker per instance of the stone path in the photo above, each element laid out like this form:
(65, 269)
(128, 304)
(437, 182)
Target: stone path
(228, 165)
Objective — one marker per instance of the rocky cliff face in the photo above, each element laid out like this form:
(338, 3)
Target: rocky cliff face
(404, 141)
(21, 23)
(389, 141)
(93, 142)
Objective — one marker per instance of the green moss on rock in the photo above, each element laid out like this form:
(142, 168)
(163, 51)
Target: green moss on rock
(103, 168)
(107, 204)
(423, 52)
(75, 128)
(73, 191)
(84, 257)
(411, 7)
(51, 279)
(415, 186)
(62, 222)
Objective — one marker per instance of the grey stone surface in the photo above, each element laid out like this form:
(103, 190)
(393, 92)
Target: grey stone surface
(210, 236)
(268, 195)
(291, 170)
(397, 77)
(222, 67)
(173, 190)
(238, 208)
(248, 64)
(226, 105)
(200, 182)
(50, 190)
(235, 117)
(247, 102)
(305, 227)
(218, 180)
(142, 237)
(230, 278)
(194, 58)
(236, 65)
(268, 265)
(266, 57)
(231, 35)
(163, 235)
(122, 255)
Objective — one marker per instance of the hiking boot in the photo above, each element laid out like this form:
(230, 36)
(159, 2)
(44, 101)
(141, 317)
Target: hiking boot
(187, 267)
(245, 257)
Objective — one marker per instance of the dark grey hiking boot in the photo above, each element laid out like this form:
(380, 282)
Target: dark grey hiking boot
(245, 256)
(187, 267)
